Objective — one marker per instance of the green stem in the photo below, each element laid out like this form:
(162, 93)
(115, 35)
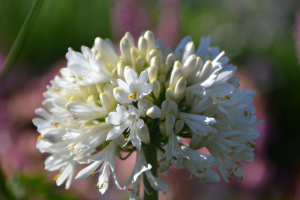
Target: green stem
(18, 43)
(150, 154)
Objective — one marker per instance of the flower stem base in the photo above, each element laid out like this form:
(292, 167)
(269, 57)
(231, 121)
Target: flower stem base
(150, 154)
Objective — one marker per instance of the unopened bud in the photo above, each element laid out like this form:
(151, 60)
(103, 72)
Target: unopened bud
(165, 108)
(179, 89)
(162, 128)
(139, 63)
(143, 46)
(152, 73)
(151, 42)
(169, 93)
(105, 101)
(129, 37)
(154, 112)
(170, 60)
(174, 108)
(143, 107)
(144, 134)
(154, 62)
(170, 122)
(125, 50)
(156, 89)
(120, 70)
(188, 50)
(189, 66)
(163, 69)
(179, 126)
(134, 55)
(175, 75)
(153, 53)
(92, 100)
(189, 97)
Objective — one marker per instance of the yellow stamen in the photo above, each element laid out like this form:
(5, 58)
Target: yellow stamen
(226, 97)
(246, 113)
(237, 163)
(56, 177)
(203, 179)
(150, 193)
(137, 193)
(105, 181)
(39, 138)
(129, 189)
(242, 178)
(54, 89)
(132, 96)
(93, 173)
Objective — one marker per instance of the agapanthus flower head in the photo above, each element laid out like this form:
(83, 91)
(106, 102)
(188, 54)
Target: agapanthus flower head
(105, 103)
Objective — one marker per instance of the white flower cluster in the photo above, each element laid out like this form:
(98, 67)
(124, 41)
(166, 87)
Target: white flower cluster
(104, 104)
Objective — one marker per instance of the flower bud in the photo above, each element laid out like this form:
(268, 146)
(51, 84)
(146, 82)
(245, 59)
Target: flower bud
(165, 108)
(163, 69)
(134, 55)
(199, 64)
(143, 107)
(94, 51)
(156, 89)
(170, 122)
(189, 66)
(154, 62)
(91, 100)
(189, 97)
(174, 109)
(151, 42)
(105, 101)
(178, 64)
(153, 53)
(188, 50)
(179, 126)
(169, 93)
(179, 89)
(144, 134)
(205, 72)
(162, 79)
(143, 46)
(107, 51)
(179, 55)
(125, 50)
(162, 128)
(152, 73)
(170, 60)
(120, 70)
(129, 37)
(154, 112)
(139, 63)
(175, 75)
(195, 100)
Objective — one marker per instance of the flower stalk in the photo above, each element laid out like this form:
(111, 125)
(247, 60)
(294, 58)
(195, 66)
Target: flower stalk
(150, 154)
(18, 43)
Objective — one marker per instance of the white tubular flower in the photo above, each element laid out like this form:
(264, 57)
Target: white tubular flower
(199, 165)
(107, 157)
(134, 88)
(141, 166)
(148, 96)
(126, 119)
(65, 166)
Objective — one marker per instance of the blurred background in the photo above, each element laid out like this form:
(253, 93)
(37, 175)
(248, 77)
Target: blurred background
(261, 37)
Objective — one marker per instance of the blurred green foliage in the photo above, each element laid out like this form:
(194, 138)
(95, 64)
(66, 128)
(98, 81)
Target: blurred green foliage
(37, 186)
(58, 25)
